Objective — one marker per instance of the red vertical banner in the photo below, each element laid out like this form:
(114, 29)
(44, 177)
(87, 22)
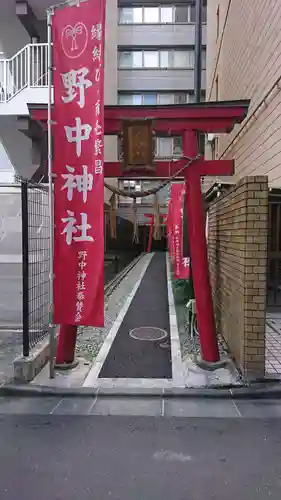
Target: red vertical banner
(78, 131)
(181, 264)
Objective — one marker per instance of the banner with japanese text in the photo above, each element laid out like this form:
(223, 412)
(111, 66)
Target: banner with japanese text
(181, 264)
(78, 158)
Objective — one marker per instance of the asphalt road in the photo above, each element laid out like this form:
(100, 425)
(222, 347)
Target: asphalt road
(75, 457)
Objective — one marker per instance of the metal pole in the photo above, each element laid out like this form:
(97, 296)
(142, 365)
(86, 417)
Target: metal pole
(25, 269)
(51, 201)
(198, 52)
(197, 96)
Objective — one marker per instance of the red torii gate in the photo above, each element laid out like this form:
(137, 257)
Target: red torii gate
(151, 218)
(185, 120)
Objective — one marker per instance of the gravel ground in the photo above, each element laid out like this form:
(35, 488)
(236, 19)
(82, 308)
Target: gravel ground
(189, 346)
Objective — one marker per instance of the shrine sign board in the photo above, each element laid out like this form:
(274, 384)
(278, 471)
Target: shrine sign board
(137, 146)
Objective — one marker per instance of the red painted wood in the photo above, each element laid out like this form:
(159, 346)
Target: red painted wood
(165, 169)
(150, 235)
(66, 344)
(208, 117)
(177, 127)
(151, 225)
(162, 127)
(198, 253)
(187, 111)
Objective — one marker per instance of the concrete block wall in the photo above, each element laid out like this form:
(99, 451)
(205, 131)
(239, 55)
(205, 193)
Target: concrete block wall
(238, 234)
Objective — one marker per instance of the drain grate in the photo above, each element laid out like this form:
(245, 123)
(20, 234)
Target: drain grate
(148, 333)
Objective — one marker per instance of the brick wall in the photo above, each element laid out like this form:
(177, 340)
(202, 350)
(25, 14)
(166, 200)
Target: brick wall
(238, 231)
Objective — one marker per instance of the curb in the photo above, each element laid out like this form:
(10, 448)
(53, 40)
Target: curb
(260, 391)
(115, 282)
(11, 326)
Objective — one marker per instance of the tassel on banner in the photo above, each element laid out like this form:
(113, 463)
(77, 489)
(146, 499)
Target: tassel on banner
(135, 223)
(157, 225)
(112, 217)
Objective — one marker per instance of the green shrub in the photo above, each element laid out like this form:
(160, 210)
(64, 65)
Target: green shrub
(182, 291)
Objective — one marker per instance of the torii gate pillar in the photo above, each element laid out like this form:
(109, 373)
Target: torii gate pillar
(198, 244)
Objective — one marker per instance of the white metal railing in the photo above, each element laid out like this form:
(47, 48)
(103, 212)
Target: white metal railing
(27, 68)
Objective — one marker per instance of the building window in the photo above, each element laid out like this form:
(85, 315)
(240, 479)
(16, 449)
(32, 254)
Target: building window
(204, 14)
(177, 146)
(162, 14)
(166, 15)
(129, 187)
(151, 15)
(192, 97)
(165, 99)
(171, 59)
(202, 141)
(213, 150)
(182, 14)
(130, 59)
(130, 99)
(168, 147)
(164, 147)
(166, 59)
(183, 59)
(151, 98)
(193, 14)
(130, 15)
(180, 98)
(150, 59)
(203, 60)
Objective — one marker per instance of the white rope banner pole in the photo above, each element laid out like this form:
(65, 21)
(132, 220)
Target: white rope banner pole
(52, 338)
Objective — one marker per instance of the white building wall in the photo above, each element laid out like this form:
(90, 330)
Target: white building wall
(13, 36)
(6, 168)
(13, 148)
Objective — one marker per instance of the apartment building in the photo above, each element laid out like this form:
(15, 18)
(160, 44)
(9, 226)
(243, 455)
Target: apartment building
(156, 58)
(244, 61)
(149, 59)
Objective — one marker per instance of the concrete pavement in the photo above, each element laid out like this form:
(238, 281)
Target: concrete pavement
(11, 295)
(68, 457)
(142, 406)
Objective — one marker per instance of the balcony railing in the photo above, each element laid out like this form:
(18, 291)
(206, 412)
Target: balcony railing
(27, 68)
